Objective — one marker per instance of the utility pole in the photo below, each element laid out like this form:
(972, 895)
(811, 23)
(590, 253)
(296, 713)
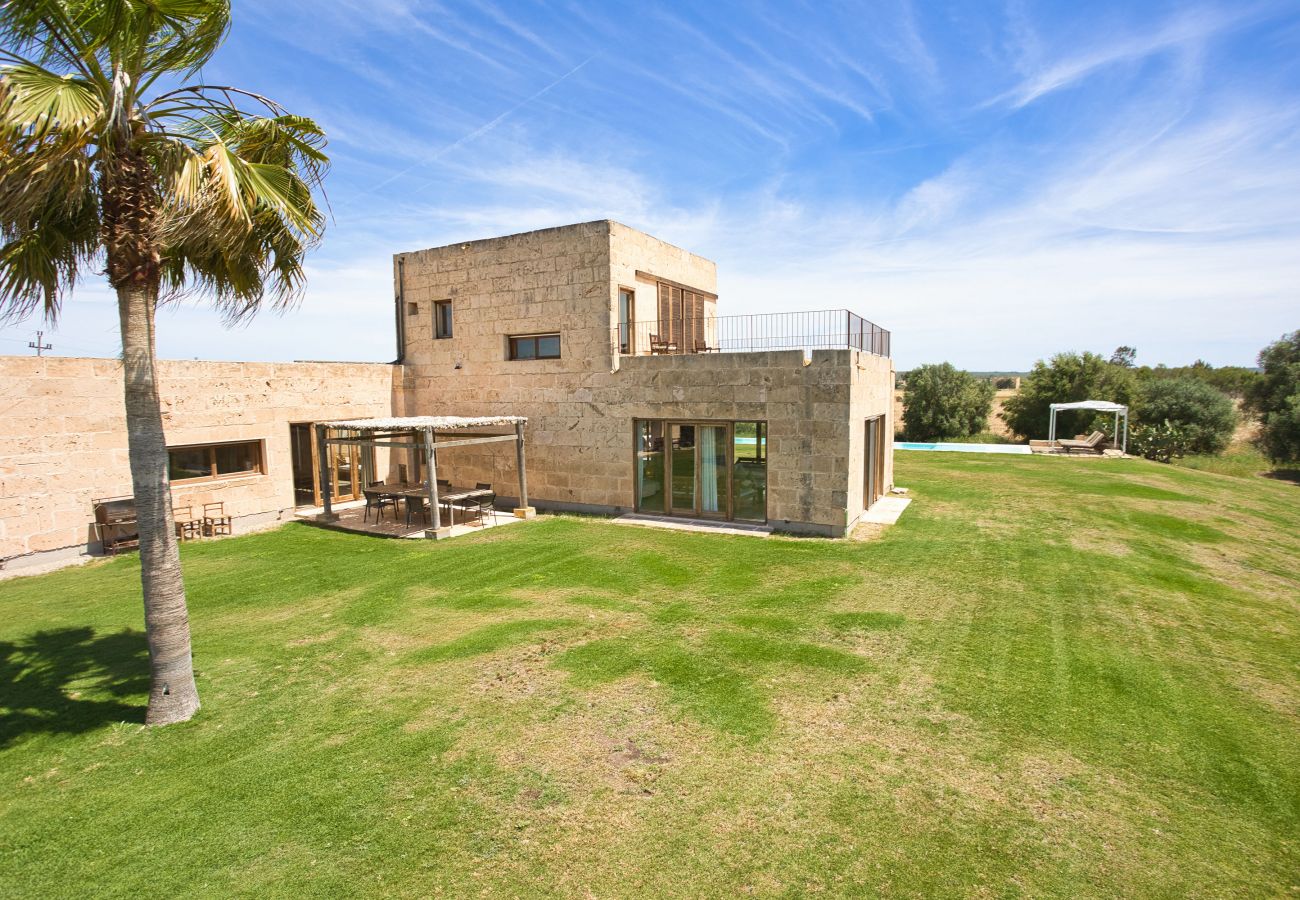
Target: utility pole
(39, 344)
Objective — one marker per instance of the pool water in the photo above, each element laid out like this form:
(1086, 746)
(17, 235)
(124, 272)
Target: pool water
(964, 448)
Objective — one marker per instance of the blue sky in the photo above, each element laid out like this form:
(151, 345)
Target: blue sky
(992, 182)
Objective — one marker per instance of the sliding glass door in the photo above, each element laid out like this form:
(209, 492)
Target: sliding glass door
(693, 469)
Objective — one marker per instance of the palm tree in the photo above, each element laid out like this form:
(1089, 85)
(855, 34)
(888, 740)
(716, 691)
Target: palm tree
(110, 160)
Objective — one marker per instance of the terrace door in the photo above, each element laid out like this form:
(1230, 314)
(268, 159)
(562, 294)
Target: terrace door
(699, 470)
(344, 468)
(303, 450)
(873, 463)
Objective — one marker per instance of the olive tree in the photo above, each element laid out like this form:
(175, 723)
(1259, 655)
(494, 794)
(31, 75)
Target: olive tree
(1275, 398)
(941, 401)
(1067, 378)
(1205, 417)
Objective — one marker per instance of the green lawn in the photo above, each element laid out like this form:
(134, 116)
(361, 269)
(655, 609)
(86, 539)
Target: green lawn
(1053, 677)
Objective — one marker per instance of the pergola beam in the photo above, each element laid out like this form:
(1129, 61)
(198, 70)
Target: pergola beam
(459, 442)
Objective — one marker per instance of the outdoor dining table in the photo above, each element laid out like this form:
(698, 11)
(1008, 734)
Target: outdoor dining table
(447, 496)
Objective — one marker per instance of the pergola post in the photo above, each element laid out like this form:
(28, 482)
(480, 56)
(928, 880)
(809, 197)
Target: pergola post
(326, 489)
(523, 511)
(435, 510)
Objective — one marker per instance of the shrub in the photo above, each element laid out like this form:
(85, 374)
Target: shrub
(1275, 398)
(1206, 416)
(1235, 381)
(1162, 442)
(1068, 378)
(941, 401)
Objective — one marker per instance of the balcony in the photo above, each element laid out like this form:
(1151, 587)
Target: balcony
(827, 329)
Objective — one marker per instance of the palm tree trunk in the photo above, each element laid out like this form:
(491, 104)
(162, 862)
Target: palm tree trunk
(173, 696)
(129, 194)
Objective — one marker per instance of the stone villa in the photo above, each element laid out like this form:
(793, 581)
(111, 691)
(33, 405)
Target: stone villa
(639, 397)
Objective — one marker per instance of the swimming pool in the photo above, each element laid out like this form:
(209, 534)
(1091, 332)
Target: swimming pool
(964, 448)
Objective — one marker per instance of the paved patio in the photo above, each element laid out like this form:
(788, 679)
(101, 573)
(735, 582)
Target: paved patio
(352, 517)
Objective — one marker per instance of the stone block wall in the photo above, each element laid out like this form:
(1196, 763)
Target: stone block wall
(581, 407)
(63, 437)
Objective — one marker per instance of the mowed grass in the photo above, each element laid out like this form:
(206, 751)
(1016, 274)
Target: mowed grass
(1053, 677)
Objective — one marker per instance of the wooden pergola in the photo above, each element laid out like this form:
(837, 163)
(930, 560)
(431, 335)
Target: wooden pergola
(399, 433)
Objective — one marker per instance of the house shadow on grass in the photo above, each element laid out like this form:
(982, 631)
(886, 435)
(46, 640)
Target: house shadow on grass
(70, 681)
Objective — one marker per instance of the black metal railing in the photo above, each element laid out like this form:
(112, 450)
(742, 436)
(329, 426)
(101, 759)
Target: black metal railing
(827, 329)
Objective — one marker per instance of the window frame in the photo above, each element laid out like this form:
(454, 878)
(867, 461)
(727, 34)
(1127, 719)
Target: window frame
(259, 465)
(512, 344)
(438, 333)
(762, 432)
(623, 314)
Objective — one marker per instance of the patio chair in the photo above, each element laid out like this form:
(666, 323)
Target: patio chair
(486, 503)
(1090, 444)
(377, 500)
(215, 519)
(188, 527)
(415, 506)
(703, 347)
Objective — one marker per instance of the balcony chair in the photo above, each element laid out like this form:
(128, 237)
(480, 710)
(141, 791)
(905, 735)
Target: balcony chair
(659, 347)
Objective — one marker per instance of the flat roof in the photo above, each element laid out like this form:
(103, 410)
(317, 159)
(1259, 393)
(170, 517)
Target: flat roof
(420, 423)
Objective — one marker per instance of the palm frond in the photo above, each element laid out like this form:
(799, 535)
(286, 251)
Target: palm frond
(230, 177)
(42, 258)
(36, 100)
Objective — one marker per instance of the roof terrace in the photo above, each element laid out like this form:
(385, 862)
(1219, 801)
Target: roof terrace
(827, 329)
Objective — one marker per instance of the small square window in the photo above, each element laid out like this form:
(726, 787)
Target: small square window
(442, 319)
(412, 309)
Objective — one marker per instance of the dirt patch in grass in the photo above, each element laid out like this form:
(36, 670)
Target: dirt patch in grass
(868, 531)
(1099, 542)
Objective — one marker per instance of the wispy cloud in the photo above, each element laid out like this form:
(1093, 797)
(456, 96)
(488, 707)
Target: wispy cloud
(484, 128)
(1130, 182)
(1186, 30)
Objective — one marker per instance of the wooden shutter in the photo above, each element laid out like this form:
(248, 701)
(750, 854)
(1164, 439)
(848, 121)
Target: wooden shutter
(670, 314)
(693, 320)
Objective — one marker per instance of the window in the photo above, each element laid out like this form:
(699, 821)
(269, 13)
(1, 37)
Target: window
(701, 469)
(214, 461)
(624, 320)
(535, 346)
(412, 309)
(442, 319)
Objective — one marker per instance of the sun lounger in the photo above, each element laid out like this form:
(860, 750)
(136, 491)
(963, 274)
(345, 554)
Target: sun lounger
(1090, 444)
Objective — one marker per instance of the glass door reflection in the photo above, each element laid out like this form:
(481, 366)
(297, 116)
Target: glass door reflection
(683, 469)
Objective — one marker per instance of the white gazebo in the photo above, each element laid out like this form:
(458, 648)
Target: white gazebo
(1101, 406)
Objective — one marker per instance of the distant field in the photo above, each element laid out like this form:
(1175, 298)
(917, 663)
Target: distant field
(1053, 677)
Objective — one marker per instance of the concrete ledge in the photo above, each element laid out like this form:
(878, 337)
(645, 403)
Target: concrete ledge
(525, 512)
(885, 511)
(702, 526)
